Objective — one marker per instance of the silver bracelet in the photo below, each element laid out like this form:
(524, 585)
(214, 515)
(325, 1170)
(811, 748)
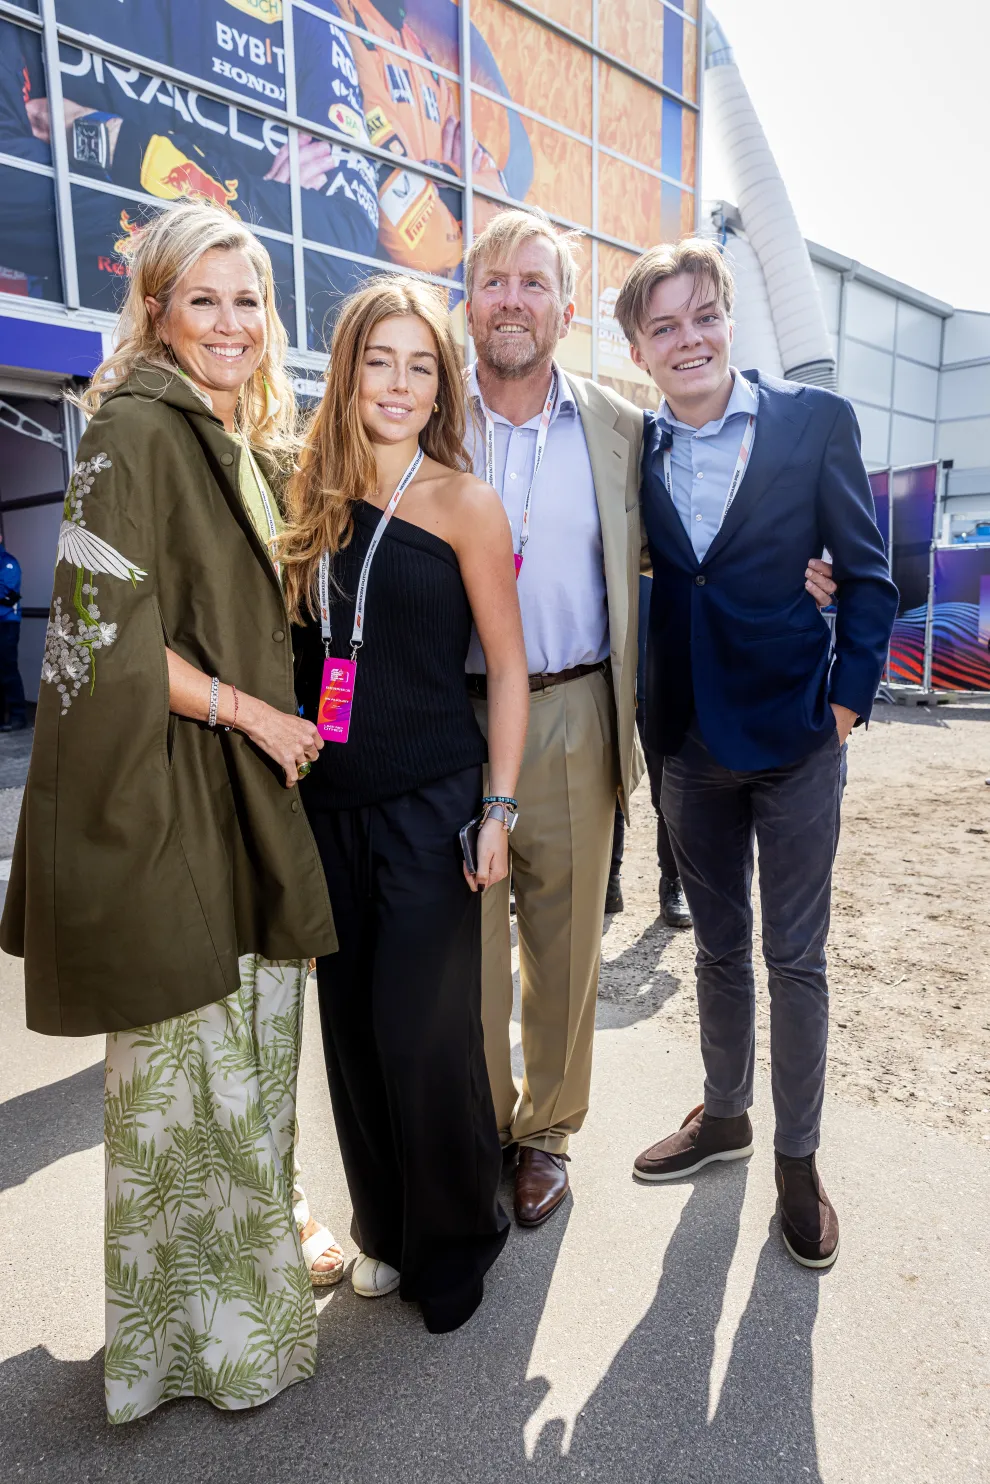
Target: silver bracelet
(214, 701)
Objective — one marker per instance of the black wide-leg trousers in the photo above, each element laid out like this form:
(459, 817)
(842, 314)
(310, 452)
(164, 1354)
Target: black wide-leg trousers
(400, 1004)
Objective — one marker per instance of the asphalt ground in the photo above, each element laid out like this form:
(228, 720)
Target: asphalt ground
(645, 1333)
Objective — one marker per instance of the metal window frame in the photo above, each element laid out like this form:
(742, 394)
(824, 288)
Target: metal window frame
(295, 189)
(45, 23)
(60, 159)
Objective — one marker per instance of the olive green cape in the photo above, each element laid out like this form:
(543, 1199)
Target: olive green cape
(152, 852)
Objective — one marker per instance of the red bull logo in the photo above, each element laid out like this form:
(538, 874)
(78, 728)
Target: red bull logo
(188, 179)
(130, 231)
(171, 175)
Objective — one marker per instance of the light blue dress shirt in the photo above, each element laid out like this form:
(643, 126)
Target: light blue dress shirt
(561, 587)
(702, 461)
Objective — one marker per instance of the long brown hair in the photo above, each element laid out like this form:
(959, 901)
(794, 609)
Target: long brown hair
(158, 257)
(337, 468)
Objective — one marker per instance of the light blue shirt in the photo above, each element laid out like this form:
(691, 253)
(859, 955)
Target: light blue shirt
(702, 461)
(561, 587)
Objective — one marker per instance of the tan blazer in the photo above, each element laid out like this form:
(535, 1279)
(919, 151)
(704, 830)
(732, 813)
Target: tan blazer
(613, 430)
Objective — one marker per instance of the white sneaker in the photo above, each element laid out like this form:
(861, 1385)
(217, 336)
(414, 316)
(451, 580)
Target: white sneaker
(371, 1278)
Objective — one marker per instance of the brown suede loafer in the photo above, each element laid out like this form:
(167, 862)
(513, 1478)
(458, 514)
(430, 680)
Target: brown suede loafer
(541, 1184)
(700, 1140)
(807, 1216)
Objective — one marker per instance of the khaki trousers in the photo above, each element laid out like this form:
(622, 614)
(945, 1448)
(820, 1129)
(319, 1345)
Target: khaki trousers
(559, 851)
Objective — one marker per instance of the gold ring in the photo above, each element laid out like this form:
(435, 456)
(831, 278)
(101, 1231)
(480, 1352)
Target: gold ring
(303, 769)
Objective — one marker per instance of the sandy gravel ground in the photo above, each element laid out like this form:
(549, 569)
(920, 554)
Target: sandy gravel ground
(909, 950)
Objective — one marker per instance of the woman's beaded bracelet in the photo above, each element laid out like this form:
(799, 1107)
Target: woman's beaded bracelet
(501, 799)
(214, 701)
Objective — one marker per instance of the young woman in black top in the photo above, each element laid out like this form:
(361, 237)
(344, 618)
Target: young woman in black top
(381, 647)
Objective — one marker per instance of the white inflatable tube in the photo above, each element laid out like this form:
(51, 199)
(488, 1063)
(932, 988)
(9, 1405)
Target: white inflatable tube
(768, 220)
(754, 341)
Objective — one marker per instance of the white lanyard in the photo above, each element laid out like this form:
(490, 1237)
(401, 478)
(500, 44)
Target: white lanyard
(737, 473)
(357, 638)
(541, 443)
(266, 503)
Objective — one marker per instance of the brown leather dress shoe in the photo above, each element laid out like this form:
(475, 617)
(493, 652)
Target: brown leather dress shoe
(807, 1216)
(700, 1140)
(541, 1184)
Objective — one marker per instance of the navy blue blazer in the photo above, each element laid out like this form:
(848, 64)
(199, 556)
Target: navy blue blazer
(735, 638)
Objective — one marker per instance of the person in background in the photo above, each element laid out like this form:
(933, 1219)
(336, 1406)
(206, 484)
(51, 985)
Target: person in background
(397, 782)
(673, 904)
(742, 476)
(165, 887)
(12, 710)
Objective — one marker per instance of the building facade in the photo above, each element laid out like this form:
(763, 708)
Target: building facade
(918, 373)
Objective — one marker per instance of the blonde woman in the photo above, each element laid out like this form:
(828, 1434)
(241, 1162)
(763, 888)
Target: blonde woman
(391, 552)
(165, 885)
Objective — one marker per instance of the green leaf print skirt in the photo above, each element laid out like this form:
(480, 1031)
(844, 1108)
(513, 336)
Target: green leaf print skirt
(207, 1292)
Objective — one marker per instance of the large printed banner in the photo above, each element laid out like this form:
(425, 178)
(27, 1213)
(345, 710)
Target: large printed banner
(913, 498)
(384, 73)
(961, 619)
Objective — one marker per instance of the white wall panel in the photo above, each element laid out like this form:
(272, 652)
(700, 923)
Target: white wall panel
(830, 288)
(966, 393)
(865, 373)
(870, 314)
(967, 337)
(919, 334)
(915, 388)
(875, 429)
(967, 443)
(912, 441)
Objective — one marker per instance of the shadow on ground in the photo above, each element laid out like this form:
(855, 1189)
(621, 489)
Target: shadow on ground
(392, 1405)
(15, 754)
(649, 1418)
(46, 1124)
(931, 716)
(635, 985)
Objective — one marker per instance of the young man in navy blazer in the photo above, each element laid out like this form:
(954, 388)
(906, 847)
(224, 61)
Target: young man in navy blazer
(743, 475)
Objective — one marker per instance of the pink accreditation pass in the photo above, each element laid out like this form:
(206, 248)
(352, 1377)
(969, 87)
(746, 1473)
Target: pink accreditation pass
(333, 720)
(517, 558)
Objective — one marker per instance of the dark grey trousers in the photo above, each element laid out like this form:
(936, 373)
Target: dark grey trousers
(713, 816)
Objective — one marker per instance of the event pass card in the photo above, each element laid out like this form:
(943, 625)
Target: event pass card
(333, 721)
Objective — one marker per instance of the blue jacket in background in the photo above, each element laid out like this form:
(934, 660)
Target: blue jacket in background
(10, 583)
(735, 638)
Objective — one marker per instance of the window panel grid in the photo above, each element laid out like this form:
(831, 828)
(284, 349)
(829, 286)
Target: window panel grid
(582, 179)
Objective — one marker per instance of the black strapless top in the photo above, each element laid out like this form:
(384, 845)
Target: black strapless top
(412, 721)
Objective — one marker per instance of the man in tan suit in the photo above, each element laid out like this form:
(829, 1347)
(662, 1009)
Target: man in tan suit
(564, 454)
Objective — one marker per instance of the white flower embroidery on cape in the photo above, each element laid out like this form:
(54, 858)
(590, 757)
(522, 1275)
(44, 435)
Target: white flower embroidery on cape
(70, 653)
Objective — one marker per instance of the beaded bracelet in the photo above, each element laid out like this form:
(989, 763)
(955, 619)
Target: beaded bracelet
(214, 701)
(501, 799)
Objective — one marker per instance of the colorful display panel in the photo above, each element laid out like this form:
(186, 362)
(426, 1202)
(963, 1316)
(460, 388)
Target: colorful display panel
(914, 495)
(961, 619)
(880, 487)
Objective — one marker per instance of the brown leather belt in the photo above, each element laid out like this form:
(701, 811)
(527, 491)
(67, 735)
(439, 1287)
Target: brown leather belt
(478, 684)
